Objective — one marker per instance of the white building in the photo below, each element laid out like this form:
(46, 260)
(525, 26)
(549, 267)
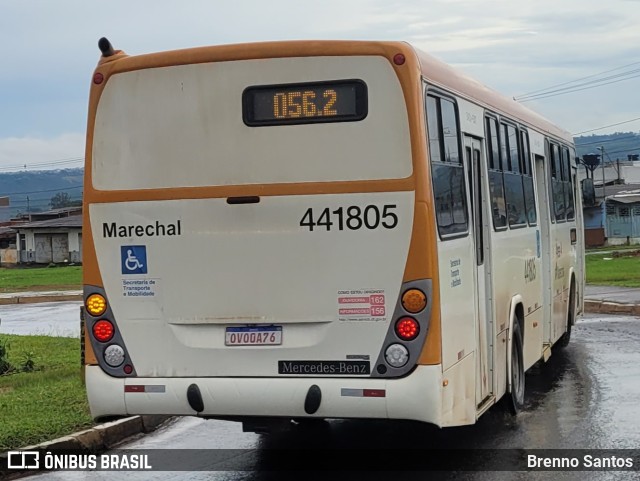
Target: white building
(53, 240)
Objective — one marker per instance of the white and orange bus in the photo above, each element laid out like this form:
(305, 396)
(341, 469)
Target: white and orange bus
(320, 229)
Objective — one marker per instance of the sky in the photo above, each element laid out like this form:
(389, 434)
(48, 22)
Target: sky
(48, 50)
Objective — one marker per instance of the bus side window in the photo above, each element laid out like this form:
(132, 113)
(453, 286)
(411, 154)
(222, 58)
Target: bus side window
(568, 187)
(527, 180)
(514, 191)
(557, 183)
(496, 186)
(447, 169)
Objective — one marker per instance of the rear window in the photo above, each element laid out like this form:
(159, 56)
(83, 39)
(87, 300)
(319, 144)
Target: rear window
(185, 126)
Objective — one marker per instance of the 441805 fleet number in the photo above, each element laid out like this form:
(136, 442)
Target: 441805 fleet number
(352, 218)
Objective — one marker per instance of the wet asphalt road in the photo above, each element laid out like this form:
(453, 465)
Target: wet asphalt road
(60, 319)
(587, 396)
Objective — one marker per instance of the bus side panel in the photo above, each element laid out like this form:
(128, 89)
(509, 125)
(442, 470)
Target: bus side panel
(561, 274)
(458, 398)
(513, 266)
(457, 297)
(457, 307)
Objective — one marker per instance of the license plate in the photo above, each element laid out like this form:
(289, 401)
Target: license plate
(253, 336)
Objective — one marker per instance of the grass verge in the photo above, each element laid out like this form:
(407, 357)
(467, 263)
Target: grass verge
(40, 278)
(615, 269)
(613, 248)
(47, 403)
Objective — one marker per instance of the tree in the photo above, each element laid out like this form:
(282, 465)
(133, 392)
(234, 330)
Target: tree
(61, 199)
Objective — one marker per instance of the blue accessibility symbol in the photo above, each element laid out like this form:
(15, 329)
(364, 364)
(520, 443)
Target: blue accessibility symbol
(134, 259)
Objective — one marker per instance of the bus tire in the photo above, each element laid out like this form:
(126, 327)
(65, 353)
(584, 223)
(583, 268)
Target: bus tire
(515, 397)
(566, 337)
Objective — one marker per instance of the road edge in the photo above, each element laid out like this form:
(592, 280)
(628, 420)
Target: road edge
(95, 439)
(593, 306)
(18, 299)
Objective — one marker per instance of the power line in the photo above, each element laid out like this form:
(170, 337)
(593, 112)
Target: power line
(43, 200)
(576, 80)
(41, 191)
(633, 149)
(608, 140)
(42, 164)
(590, 82)
(569, 90)
(583, 84)
(606, 126)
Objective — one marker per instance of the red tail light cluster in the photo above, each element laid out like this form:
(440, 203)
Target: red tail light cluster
(407, 328)
(103, 330)
(105, 338)
(405, 338)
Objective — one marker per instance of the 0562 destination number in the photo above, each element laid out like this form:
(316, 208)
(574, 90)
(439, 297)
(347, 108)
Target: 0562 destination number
(351, 218)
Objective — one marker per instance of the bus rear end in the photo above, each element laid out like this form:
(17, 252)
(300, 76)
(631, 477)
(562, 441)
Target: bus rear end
(249, 216)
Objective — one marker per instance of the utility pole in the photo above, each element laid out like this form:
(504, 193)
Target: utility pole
(28, 211)
(603, 179)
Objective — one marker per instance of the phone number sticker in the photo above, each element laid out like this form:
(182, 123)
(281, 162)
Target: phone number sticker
(361, 305)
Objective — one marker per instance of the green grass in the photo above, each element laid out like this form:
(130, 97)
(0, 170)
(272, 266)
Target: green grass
(47, 403)
(619, 270)
(613, 248)
(40, 278)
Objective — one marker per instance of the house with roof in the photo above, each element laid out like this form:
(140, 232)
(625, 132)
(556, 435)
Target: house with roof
(8, 254)
(55, 240)
(623, 217)
(614, 216)
(607, 220)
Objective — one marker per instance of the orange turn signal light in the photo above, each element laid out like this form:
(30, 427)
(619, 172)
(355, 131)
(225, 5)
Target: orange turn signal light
(96, 305)
(414, 300)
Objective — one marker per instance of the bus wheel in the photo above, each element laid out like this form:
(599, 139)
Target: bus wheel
(515, 398)
(566, 337)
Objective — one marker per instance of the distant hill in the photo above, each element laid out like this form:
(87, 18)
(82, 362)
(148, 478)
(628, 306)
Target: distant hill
(32, 191)
(616, 146)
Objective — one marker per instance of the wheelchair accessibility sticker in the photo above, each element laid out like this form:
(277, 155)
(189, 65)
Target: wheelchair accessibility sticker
(134, 259)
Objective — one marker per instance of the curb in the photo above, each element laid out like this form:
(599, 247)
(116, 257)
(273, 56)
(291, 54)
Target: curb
(608, 307)
(36, 299)
(95, 439)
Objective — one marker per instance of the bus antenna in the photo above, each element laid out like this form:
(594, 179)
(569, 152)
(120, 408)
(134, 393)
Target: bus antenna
(105, 47)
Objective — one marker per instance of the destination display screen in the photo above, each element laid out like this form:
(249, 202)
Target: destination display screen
(335, 101)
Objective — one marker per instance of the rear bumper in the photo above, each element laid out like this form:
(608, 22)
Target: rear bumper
(415, 397)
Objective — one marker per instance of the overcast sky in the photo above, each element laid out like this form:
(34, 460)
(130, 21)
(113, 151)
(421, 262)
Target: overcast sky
(48, 50)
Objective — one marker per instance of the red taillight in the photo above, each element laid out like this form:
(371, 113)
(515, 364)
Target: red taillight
(103, 330)
(128, 368)
(407, 328)
(98, 78)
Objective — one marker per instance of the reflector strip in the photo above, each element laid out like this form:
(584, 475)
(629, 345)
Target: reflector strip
(158, 388)
(347, 392)
(154, 388)
(134, 389)
(374, 393)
